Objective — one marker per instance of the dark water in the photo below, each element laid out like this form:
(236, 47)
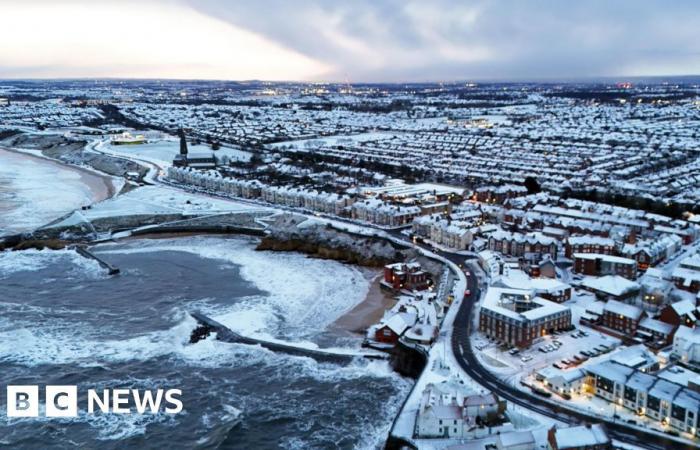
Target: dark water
(64, 321)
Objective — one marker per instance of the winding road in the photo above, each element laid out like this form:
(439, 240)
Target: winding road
(462, 349)
(464, 355)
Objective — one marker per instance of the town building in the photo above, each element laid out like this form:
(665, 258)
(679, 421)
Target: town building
(611, 287)
(658, 334)
(686, 344)
(406, 276)
(684, 312)
(499, 194)
(389, 331)
(584, 437)
(515, 440)
(622, 317)
(590, 244)
(449, 410)
(563, 382)
(664, 401)
(687, 275)
(598, 264)
(530, 246)
(517, 317)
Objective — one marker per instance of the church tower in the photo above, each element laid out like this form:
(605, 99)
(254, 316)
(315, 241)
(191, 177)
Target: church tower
(183, 142)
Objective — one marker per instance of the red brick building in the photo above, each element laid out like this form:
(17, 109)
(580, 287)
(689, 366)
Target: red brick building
(590, 244)
(622, 317)
(391, 330)
(516, 317)
(499, 194)
(684, 312)
(408, 276)
(517, 244)
(597, 264)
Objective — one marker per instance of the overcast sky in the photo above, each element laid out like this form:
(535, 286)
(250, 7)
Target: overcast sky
(353, 40)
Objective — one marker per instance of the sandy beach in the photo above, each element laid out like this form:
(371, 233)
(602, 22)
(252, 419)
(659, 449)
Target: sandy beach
(101, 186)
(35, 190)
(370, 310)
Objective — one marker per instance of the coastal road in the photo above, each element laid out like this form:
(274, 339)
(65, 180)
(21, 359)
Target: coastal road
(462, 349)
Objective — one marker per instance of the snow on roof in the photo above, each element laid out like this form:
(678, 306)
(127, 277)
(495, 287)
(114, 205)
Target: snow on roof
(611, 370)
(516, 439)
(623, 309)
(687, 275)
(500, 300)
(603, 257)
(690, 335)
(691, 262)
(398, 323)
(581, 437)
(684, 307)
(640, 381)
(688, 399)
(656, 325)
(518, 279)
(551, 373)
(665, 390)
(591, 240)
(610, 284)
(635, 356)
(680, 375)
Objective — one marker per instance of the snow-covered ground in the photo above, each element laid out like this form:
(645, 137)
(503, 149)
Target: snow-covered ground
(162, 152)
(527, 361)
(34, 191)
(158, 200)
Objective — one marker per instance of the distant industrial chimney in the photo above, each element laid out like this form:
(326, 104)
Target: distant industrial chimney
(183, 142)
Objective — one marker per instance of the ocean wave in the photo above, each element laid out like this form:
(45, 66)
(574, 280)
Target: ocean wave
(305, 295)
(32, 260)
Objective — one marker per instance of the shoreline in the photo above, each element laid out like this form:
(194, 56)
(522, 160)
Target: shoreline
(369, 311)
(100, 185)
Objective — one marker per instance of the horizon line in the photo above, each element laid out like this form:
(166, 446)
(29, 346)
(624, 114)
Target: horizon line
(543, 80)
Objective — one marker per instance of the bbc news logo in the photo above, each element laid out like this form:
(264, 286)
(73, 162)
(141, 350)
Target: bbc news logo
(62, 401)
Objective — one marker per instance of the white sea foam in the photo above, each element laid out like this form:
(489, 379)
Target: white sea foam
(307, 294)
(30, 260)
(110, 426)
(295, 297)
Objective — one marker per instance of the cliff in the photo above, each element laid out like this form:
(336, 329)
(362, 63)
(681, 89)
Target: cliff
(290, 232)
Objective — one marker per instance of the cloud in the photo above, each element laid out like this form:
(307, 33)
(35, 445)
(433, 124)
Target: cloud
(375, 40)
(359, 40)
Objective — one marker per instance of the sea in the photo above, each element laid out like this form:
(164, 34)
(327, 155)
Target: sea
(65, 321)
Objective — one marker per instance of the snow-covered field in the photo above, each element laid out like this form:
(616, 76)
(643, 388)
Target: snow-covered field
(158, 200)
(162, 152)
(35, 191)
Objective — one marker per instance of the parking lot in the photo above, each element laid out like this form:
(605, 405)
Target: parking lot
(566, 350)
